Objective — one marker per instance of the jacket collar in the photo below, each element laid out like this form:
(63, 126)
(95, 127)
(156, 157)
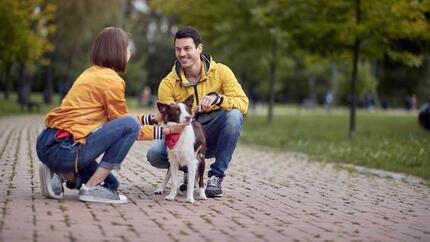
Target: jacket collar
(206, 60)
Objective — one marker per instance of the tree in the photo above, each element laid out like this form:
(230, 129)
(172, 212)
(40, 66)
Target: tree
(23, 37)
(364, 29)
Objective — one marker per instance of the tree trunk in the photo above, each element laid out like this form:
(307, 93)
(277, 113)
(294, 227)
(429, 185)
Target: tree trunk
(6, 80)
(47, 87)
(22, 87)
(355, 57)
(353, 103)
(272, 78)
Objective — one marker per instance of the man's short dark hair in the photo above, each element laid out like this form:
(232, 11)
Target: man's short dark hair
(189, 32)
(110, 49)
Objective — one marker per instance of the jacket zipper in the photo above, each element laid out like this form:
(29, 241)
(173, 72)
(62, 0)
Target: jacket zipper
(197, 101)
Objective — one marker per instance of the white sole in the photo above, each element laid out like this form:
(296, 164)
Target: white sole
(86, 198)
(45, 179)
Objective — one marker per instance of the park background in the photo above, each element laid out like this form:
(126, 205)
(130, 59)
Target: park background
(372, 57)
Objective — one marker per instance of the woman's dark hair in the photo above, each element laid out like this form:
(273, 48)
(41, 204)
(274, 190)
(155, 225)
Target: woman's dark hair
(189, 32)
(110, 49)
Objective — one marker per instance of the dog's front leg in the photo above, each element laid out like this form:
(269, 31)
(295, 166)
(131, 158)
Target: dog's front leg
(162, 188)
(192, 167)
(174, 168)
(199, 178)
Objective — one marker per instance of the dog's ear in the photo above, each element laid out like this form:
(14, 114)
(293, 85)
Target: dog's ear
(162, 107)
(189, 101)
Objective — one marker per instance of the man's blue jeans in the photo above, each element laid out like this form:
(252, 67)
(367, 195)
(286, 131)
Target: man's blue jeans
(113, 139)
(222, 133)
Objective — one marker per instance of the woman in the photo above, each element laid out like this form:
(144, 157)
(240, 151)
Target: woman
(93, 120)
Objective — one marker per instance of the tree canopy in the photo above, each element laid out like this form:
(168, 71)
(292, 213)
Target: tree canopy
(281, 51)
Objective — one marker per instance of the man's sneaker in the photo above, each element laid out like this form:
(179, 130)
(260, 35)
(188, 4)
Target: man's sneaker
(213, 188)
(100, 194)
(51, 184)
(183, 186)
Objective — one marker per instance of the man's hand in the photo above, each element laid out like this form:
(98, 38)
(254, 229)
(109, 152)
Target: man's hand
(207, 102)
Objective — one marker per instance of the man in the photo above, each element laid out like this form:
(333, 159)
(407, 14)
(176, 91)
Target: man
(220, 103)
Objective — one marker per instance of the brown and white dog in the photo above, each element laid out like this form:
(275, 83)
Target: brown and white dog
(185, 149)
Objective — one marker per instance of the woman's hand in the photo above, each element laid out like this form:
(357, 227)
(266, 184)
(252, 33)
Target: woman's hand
(175, 128)
(157, 117)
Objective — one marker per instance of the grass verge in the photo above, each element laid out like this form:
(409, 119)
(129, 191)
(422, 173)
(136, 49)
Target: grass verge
(388, 141)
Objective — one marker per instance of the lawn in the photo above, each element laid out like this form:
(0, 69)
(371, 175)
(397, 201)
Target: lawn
(392, 141)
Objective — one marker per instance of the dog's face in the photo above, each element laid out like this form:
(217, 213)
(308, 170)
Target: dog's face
(179, 112)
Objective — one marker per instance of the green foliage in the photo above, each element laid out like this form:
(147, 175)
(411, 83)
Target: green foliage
(330, 27)
(306, 38)
(387, 141)
(77, 24)
(366, 81)
(25, 30)
(134, 77)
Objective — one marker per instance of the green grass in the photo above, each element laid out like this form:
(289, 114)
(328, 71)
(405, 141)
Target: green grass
(11, 106)
(388, 141)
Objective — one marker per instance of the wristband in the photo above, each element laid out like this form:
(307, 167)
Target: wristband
(215, 102)
(221, 99)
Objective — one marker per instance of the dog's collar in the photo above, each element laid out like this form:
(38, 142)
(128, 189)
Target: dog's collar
(171, 140)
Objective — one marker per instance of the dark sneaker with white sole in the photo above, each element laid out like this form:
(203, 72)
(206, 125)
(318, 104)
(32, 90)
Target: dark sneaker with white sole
(100, 194)
(213, 188)
(51, 184)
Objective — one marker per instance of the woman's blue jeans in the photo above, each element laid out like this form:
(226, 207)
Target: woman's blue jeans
(222, 133)
(113, 139)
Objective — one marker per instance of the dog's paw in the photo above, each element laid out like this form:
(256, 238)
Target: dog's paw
(203, 196)
(170, 197)
(159, 191)
(190, 200)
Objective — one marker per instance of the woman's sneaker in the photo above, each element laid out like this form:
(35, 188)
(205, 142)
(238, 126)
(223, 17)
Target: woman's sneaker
(51, 184)
(100, 194)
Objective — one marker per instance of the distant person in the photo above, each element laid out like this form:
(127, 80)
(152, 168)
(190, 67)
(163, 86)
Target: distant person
(413, 102)
(220, 103)
(424, 116)
(93, 120)
(328, 100)
(384, 103)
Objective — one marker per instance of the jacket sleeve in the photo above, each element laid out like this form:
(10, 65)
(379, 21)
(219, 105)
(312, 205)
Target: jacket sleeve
(148, 130)
(234, 96)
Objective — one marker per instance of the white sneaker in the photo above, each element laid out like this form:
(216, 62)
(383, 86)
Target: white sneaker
(100, 194)
(51, 184)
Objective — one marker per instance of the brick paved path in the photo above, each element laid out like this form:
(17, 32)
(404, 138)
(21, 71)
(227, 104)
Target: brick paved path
(268, 197)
